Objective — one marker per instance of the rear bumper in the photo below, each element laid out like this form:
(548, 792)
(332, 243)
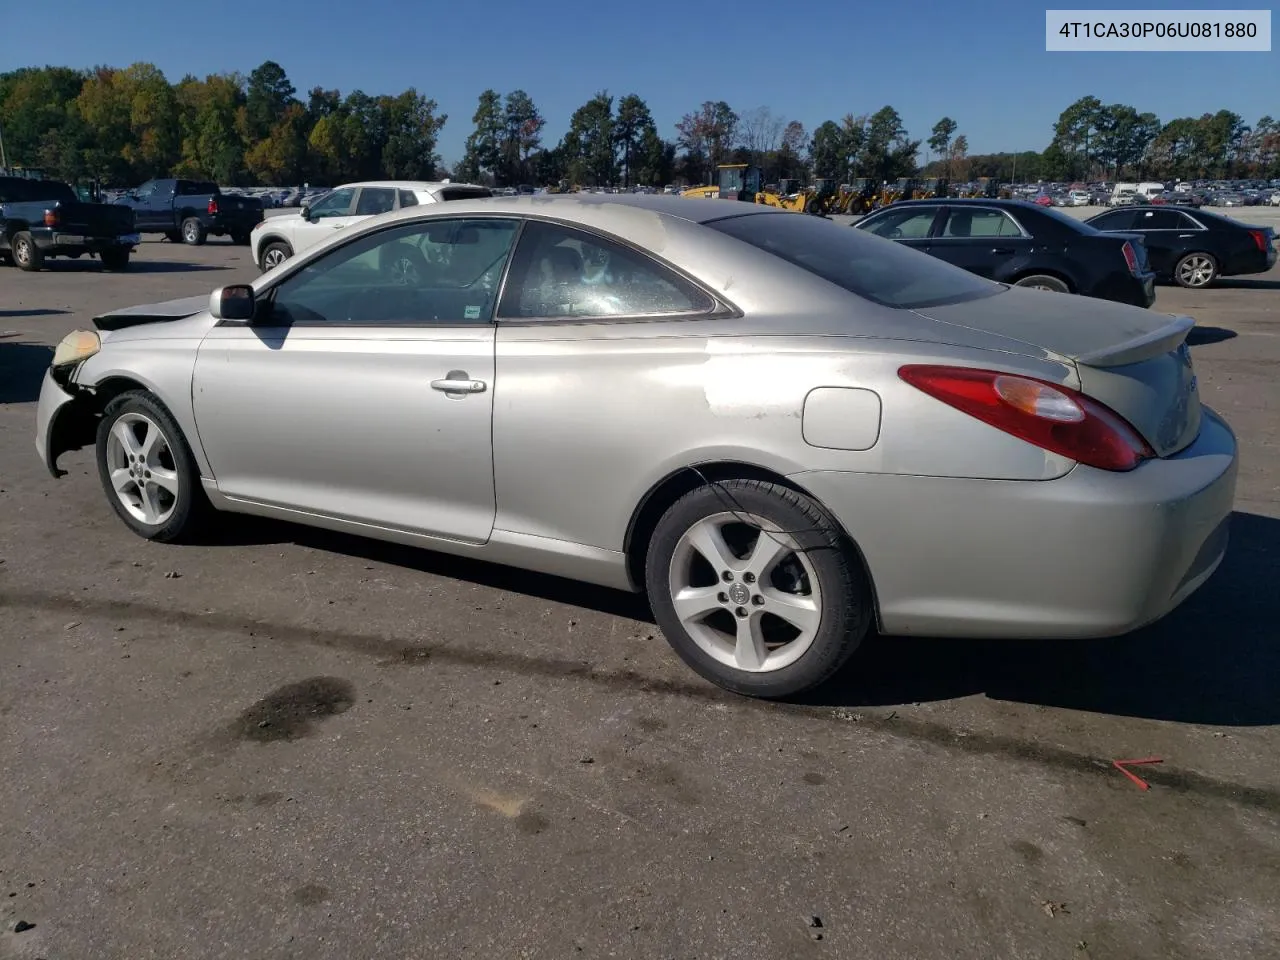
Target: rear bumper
(1254, 261)
(55, 243)
(1092, 554)
(1137, 291)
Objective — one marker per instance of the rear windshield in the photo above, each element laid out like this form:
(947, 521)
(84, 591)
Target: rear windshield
(21, 190)
(879, 270)
(463, 193)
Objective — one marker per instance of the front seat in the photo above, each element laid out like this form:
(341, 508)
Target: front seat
(961, 224)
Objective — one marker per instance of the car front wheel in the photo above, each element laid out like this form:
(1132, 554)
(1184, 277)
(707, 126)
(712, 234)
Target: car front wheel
(756, 588)
(147, 469)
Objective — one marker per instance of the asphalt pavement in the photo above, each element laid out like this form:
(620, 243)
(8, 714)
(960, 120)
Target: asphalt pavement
(285, 743)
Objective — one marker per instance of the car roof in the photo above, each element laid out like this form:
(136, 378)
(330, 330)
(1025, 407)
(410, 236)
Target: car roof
(646, 220)
(595, 207)
(966, 202)
(422, 185)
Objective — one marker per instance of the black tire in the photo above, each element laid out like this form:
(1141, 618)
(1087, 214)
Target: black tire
(240, 239)
(1042, 281)
(846, 608)
(1195, 271)
(190, 507)
(26, 255)
(277, 249)
(115, 259)
(193, 232)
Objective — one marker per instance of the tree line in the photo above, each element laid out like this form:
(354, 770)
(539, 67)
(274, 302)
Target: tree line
(124, 125)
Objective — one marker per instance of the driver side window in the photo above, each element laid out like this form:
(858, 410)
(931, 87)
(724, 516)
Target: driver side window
(335, 204)
(441, 271)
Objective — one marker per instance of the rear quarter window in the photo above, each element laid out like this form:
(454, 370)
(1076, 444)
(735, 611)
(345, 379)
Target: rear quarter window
(463, 193)
(879, 270)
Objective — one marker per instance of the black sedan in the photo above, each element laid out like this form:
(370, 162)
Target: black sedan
(1023, 244)
(1194, 248)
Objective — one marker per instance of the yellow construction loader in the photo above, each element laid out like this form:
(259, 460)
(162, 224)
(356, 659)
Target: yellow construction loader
(783, 196)
(734, 181)
(931, 189)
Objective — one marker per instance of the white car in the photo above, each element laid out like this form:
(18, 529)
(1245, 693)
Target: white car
(275, 239)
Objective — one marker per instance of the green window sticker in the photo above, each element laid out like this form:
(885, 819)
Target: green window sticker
(472, 313)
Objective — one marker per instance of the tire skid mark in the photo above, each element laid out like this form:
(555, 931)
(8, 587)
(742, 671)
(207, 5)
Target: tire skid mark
(391, 650)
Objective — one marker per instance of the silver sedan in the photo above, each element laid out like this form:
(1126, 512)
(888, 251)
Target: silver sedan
(786, 433)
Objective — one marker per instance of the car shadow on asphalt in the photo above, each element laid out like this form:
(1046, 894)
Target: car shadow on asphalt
(22, 367)
(1214, 661)
(1202, 336)
(135, 266)
(1243, 283)
(34, 312)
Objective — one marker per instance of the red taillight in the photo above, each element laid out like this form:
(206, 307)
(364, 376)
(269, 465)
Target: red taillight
(1052, 417)
(1130, 256)
(1260, 238)
(51, 218)
(213, 205)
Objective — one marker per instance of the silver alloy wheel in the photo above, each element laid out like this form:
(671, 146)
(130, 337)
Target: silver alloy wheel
(22, 250)
(273, 258)
(1195, 270)
(749, 593)
(1041, 286)
(191, 231)
(142, 468)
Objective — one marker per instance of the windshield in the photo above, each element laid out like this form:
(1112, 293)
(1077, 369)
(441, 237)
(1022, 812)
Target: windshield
(879, 270)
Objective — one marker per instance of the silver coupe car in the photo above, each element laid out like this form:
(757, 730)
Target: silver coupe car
(784, 432)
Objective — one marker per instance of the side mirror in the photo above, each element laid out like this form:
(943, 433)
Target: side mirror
(305, 210)
(235, 303)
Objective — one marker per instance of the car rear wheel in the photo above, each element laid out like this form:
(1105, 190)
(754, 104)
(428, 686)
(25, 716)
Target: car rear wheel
(147, 470)
(26, 255)
(274, 255)
(1041, 281)
(756, 588)
(1195, 270)
(193, 232)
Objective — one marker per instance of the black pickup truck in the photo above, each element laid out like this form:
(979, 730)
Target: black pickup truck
(44, 218)
(191, 210)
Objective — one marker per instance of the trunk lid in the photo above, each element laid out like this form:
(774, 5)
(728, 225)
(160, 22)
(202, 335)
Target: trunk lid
(94, 219)
(1135, 361)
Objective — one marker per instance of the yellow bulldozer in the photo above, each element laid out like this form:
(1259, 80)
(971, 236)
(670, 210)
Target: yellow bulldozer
(734, 181)
(902, 189)
(785, 194)
(931, 189)
(984, 187)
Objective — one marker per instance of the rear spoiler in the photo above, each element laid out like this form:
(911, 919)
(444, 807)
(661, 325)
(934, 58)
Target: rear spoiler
(1165, 339)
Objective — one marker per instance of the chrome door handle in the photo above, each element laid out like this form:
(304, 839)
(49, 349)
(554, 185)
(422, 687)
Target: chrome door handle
(449, 385)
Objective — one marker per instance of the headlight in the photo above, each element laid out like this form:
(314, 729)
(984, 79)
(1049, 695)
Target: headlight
(76, 346)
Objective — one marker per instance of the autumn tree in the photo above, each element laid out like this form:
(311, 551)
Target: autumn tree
(707, 135)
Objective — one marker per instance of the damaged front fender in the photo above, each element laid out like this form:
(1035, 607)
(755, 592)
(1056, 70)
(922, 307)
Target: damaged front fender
(66, 419)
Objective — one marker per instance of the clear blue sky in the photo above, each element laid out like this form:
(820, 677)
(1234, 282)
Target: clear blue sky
(983, 64)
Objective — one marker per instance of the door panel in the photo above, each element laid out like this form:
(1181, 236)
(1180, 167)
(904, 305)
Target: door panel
(364, 389)
(984, 241)
(345, 422)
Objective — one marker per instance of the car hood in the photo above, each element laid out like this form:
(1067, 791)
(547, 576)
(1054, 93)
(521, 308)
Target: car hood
(151, 313)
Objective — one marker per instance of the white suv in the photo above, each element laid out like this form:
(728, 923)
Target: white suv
(275, 239)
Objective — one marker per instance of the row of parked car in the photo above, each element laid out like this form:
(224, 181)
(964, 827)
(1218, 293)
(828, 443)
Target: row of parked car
(1115, 255)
